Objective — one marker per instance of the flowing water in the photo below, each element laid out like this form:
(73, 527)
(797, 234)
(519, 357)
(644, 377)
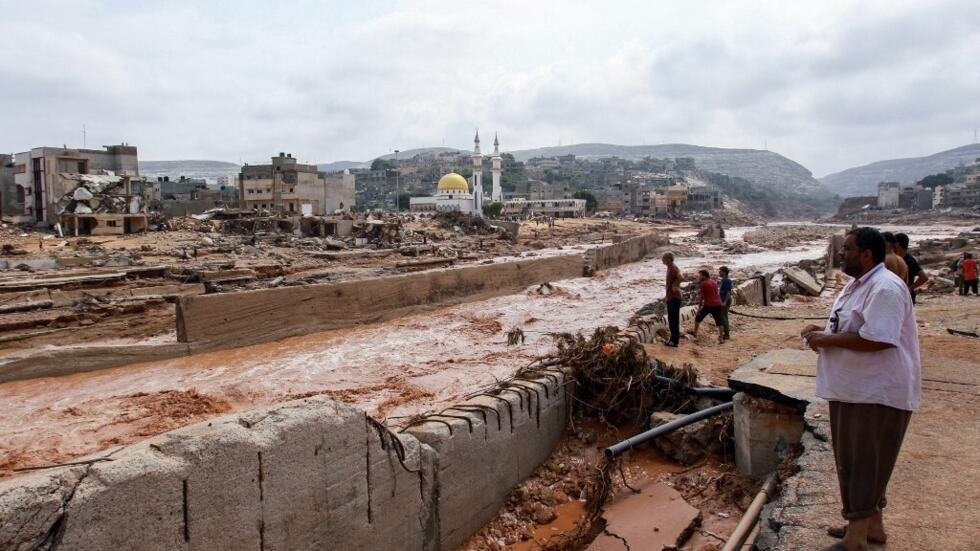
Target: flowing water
(392, 370)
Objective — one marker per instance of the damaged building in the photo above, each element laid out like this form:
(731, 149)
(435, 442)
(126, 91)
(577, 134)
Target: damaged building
(287, 187)
(101, 204)
(44, 175)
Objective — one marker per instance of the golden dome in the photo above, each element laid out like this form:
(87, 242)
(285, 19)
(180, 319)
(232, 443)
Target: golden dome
(453, 182)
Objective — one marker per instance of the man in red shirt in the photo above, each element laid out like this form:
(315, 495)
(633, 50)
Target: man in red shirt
(969, 267)
(710, 303)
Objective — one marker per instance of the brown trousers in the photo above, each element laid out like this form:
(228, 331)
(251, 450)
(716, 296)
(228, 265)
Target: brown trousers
(866, 440)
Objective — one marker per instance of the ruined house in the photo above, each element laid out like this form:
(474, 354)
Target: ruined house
(44, 175)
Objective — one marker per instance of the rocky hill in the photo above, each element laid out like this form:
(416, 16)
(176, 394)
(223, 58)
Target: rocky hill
(191, 169)
(863, 180)
(770, 171)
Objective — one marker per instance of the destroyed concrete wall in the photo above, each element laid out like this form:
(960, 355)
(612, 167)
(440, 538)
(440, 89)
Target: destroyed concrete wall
(490, 444)
(631, 250)
(753, 291)
(308, 474)
(513, 229)
(174, 208)
(288, 311)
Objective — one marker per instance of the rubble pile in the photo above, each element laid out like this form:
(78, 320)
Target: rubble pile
(464, 223)
(783, 237)
(99, 193)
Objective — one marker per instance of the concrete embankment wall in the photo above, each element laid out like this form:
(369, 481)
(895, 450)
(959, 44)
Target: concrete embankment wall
(630, 250)
(230, 318)
(308, 474)
(288, 311)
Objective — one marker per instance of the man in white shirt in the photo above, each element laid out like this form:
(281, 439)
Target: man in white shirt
(869, 371)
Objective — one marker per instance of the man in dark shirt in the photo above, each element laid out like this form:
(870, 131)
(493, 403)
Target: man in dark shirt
(710, 304)
(917, 277)
(673, 298)
(725, 290)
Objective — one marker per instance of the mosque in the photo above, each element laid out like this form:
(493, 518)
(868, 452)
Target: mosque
(453, 191)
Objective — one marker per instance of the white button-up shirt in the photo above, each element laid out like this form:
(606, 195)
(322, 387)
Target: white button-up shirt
(876, 306)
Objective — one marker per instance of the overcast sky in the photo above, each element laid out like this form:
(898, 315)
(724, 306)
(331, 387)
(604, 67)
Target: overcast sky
(828, 84)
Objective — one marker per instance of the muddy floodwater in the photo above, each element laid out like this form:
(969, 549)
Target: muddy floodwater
(393, 370)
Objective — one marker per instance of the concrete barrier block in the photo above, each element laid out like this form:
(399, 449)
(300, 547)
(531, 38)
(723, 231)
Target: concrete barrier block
(136, 501)
(313, 492)
(471, 470)
(764, 430)
(223, 483)
(487, 445)
(31, 506)
(400, 506)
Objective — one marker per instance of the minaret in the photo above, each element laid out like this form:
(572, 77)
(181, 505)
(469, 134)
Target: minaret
(496, 194)
(477, 175)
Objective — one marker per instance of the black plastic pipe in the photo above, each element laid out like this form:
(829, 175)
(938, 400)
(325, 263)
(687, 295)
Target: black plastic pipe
(629, 443)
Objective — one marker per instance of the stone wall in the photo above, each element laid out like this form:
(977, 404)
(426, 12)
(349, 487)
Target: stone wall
(308, 474)
(229, 318)
(630, 250)
(291, 311)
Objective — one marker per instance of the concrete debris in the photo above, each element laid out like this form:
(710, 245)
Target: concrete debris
(690, 444)
(712, 232)
(99, 193)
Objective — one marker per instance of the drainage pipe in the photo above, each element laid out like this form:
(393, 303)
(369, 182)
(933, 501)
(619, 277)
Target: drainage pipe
(629, 443)
(751, 516)
(720, 392)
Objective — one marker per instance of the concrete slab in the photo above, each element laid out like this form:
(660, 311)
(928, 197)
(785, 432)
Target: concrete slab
(785, 376)
(803, 280)
(654, 518)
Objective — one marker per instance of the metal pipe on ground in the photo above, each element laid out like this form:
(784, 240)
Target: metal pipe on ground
(629, 443)
(751, 516)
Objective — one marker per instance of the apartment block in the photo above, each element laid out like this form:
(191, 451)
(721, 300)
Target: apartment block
(283, 186)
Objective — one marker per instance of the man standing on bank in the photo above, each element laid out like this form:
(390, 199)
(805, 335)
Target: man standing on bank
(725, 290)
(673, 298)
(917, 276)
(869, 371)
(968, 269)
(710, 303)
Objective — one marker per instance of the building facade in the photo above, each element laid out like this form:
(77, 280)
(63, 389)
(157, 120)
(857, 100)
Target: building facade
(286, 187)
(558, 208)
(43, 176)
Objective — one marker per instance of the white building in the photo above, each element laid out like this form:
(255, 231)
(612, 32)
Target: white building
(559, 208)
(453, 191)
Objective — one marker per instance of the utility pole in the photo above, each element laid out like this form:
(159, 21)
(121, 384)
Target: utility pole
(397, 183)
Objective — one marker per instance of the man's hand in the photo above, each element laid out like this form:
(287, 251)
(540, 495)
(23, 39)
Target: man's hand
(812, 336)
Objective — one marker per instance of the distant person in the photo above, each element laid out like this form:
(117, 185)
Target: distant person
(725, 291)
(957, 270)
(917, 277)
(894, 262)
(968, 267)
(710, 303)
(869, 370)
(673, 298)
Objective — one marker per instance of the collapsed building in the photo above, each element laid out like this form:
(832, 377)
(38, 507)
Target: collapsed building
(101, 204)
(44, 175)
